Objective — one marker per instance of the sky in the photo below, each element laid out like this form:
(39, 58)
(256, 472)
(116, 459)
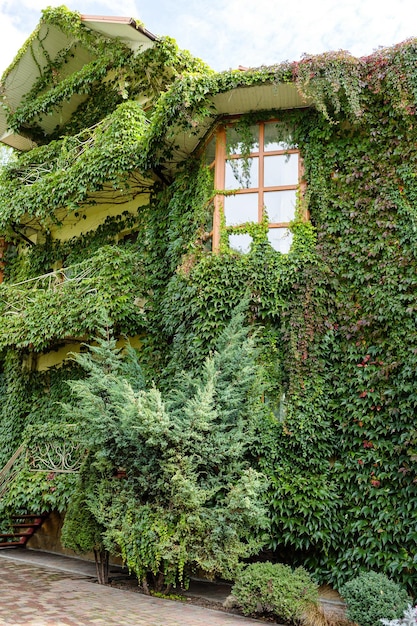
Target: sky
(229, 33)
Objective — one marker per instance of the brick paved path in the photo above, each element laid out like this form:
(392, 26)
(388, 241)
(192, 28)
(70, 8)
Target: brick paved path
(35, 596)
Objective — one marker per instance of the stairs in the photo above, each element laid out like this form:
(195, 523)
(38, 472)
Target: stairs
(23, 527)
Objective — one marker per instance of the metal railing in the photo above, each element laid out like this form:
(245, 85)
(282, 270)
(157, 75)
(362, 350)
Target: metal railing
(59, 457)
(9, 471)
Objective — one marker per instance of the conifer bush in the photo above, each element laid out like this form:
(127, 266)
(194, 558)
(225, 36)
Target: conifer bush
(409, 618)
(191, 498)
(275, 589)
(372, 596)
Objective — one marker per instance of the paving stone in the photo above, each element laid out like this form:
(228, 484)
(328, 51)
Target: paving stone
(32, 595)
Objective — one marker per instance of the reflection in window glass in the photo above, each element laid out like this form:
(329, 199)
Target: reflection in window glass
(241, 243)
(282, 408)
(280, 239)
(280, 205)
(270, 140)
(241, 173)
(210, 152)
(241, 208)
(281, 169)
(277, 406)
(267, 181)
(234, 144)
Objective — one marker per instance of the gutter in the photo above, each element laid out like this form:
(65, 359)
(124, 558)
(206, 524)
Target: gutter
(129, 21)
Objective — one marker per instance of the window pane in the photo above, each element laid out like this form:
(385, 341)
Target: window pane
(241, 243)
(271, 142)
(280, 239)
(241, 208)
(241, 173)
(234, 143)
(210, 151)
(281, 169)
(280, 205)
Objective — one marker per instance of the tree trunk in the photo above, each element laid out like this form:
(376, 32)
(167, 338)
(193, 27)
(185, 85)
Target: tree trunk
(145, 586)
(159, 584)
(101, 558)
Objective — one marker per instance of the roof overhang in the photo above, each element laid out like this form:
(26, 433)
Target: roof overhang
(125, 29)
(239, 101)
(23, 75)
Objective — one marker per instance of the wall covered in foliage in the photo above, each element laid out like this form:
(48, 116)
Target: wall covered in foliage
(335, 318)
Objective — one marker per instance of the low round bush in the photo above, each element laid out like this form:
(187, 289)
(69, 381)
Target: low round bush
(275, 589)
(371, 597)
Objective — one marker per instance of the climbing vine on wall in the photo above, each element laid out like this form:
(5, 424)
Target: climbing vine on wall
(334, 319)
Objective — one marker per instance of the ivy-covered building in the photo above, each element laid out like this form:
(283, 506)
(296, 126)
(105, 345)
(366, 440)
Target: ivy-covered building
(150, 194)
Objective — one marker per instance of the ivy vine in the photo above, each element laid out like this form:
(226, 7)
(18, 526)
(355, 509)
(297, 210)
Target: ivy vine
(334, 319)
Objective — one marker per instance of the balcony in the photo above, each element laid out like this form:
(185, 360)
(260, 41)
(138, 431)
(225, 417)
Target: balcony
(71, 303)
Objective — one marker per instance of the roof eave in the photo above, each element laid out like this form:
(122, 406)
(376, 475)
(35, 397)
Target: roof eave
(128, 30)
(128, 21)
(238, 101)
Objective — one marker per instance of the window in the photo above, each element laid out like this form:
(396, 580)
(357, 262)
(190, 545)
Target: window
(266, 179)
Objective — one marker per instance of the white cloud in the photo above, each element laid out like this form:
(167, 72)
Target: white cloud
(19, 20)
(226, 33)
(11, 40)
(232, 32)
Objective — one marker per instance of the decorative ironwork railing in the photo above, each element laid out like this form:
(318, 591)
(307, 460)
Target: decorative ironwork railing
(55, 456)
(45, 452)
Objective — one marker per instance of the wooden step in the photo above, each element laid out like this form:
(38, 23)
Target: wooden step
(23, 527)
(27, 518)
(28, 534)
(13, 539)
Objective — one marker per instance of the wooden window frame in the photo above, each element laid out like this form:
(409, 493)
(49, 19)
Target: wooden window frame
(221, 157)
